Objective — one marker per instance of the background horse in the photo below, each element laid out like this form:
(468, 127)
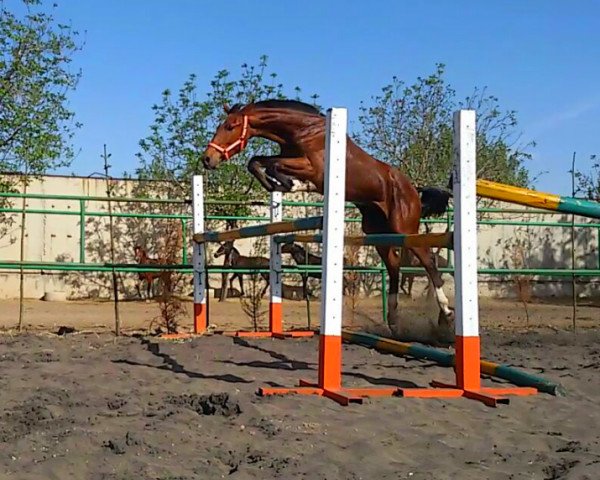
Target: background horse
(386, 198)
(234, 259)
(142, 258)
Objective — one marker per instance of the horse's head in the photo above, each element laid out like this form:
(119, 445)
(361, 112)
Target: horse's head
(224, 249)
(291, 248)
(230, 138)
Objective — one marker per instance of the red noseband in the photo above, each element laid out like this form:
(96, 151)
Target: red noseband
(240, 142)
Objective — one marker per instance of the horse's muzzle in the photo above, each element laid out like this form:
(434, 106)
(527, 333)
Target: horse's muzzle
(209, 163)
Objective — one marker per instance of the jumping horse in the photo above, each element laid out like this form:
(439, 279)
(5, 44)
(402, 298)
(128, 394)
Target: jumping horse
(386, 198)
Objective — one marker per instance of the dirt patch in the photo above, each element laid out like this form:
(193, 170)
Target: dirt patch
(107, 408)
(87, 405)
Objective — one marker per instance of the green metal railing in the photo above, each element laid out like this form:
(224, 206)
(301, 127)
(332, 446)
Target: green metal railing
(83, 214)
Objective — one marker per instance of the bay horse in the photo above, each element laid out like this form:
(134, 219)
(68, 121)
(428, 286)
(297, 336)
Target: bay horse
(302, 257)
(234, 259)
(385, 197)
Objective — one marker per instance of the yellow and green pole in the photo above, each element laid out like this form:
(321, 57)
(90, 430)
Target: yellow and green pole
(447, 359)
(533, 198)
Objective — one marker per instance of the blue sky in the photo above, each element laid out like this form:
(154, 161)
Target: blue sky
(541, 58)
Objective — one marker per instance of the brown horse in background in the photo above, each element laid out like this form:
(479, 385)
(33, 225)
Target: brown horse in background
(234, 259)
(142, 258)
(386, 198)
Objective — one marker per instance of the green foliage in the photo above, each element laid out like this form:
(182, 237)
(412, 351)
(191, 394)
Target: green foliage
(36, 125)
(411, 127)
(183, 125)
(588, 184)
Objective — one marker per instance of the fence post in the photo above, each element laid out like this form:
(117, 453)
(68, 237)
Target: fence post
(81, 230)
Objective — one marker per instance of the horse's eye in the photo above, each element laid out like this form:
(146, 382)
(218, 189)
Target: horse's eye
(228, 127)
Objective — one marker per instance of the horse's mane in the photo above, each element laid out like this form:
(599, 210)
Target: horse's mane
(286, 104)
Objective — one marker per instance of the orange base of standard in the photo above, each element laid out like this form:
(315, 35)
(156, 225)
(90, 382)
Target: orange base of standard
(267, 334)
(292, 334)
(489, 396)
(200, 318)
(330, 378)
(343, 396)
(275, 327)
(468, 379)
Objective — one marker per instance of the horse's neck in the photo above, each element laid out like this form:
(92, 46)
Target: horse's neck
(300, 255)
(234, 256)
(285, 127)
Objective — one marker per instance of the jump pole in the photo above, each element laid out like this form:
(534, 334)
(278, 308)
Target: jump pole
(199, 257)
(329, 381)
(533, 198)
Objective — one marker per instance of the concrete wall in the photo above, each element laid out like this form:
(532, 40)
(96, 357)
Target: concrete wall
(51, 238)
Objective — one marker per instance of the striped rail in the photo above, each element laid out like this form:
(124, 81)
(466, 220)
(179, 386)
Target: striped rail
(447, 359)
(309, 223)
(378, 240)
(532, 198)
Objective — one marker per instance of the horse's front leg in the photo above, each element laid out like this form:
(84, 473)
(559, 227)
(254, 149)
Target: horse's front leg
(392, 263)
(301, 173)
(277, 173)
(258, 167)
(149, 281)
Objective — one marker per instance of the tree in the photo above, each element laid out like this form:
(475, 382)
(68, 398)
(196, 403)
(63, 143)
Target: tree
(36, 125)
(410, 127)
(588, 184)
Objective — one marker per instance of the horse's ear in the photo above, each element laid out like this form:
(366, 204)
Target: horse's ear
(226, 108)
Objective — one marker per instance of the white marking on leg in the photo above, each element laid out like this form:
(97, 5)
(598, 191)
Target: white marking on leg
(300, 186)
(442, 300)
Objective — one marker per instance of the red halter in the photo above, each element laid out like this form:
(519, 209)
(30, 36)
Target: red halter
(240, 142)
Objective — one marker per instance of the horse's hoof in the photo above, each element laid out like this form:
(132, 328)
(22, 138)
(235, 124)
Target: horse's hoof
(446, 320)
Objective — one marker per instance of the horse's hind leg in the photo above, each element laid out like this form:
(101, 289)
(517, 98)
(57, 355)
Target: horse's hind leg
(240, 281)
(267, 283)
(426, 258)
(392, 264)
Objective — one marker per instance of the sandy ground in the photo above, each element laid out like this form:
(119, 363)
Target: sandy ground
(141, 316)
(90, 406)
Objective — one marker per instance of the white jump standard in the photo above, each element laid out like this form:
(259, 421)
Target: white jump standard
(468, 373)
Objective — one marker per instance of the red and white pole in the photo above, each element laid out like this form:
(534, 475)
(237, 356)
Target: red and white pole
(465, 251)
(330, 339)
(199, 253)
(275, 281)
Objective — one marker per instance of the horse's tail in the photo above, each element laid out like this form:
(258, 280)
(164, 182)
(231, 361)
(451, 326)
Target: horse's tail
(434, 201)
